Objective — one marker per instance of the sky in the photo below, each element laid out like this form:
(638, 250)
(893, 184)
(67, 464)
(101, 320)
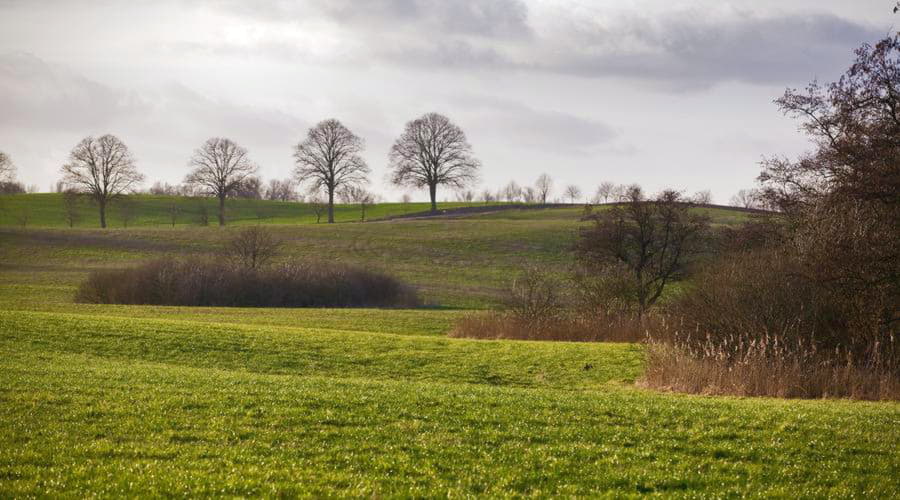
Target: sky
(667, 94)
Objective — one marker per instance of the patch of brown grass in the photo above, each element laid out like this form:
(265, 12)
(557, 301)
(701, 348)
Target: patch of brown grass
(766, 367)
(568, 328)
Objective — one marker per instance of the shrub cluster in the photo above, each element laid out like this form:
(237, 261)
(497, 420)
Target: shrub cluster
(569, 327)
(201, 282)
(755, 324)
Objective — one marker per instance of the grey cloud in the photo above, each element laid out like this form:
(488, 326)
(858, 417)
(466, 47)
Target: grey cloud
(521, 126)
(483, 18)
(690, 51)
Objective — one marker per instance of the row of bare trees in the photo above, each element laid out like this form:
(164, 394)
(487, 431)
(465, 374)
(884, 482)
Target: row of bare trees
(432, 151)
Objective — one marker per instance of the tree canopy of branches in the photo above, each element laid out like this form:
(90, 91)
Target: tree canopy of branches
(843, 197)
(544, 186)
(103, 169)
(643, 244)
(433, 151)
(253, 248)
(219, 167)
(329, 158)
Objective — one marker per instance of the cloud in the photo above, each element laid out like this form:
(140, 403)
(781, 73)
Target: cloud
(519, 126)
(689, 49)
(49, 108)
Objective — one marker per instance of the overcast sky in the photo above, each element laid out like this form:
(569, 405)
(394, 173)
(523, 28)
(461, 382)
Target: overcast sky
(663, 93)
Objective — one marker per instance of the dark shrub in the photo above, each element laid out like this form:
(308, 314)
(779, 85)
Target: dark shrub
(197, 282)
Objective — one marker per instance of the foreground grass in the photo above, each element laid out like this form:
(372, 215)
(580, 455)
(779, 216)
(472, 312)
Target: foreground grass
(117, 407)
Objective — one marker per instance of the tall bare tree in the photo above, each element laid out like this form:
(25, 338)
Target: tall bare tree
(103, 169)
(329, 158)
(219, 167)
(359, 195)
(432, 151)
(544, 185)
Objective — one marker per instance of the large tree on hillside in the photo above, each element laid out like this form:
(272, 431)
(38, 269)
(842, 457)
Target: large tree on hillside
(433, 151)
(843, 197)
(329, 159)
(219, 167)
(103, 169)
(633, 251)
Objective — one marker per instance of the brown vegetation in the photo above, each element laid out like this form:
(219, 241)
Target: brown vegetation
(200, 282)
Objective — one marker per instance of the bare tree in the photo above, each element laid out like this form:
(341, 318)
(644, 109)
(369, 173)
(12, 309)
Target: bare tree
(487, 196)
(251, 188)
(279, 190)
(432, 151)
(702, 197)
(573, 192)
(465, 195)
(202, 215)
(641, 245)
(544, 185)
(219, 167)
(745, 198)
(102, 168)
(512, 191)
(329, 158)
(7, 168)
(605, 191)
(359, 196)
(71, 204)
(529, 194)
(318, 205)
(253, 248)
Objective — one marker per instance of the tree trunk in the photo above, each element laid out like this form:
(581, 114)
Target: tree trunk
(102, 204)
(331, 206)
(221, 210)
(433, 191)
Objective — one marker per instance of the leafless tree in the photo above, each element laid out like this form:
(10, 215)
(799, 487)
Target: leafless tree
(573, 192)
(160, 188)
(251, 188)
(544, 187)
(529, 194)
(329, 158)
(202, 215)
(279, 190)
(465, 196)
(702, 197)
(71, 202)
(219, 166)
(605, 191)
(487, 196)
(102, 168)
(7, 168)
(512, 191)
(745, 198)
(641, 245)
(253, 248)
(432, 151)
(318, 204)
(359, 196)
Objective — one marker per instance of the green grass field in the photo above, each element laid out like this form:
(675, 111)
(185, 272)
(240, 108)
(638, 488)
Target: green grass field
(113, 401)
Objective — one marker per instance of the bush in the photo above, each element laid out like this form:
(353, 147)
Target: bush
(755, 324)
(198, 282)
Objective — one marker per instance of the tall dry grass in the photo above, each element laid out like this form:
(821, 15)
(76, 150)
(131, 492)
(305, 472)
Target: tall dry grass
(756, 325)
(556, 327)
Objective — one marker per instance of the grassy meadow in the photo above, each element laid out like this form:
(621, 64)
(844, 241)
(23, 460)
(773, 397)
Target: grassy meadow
(112, 401)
